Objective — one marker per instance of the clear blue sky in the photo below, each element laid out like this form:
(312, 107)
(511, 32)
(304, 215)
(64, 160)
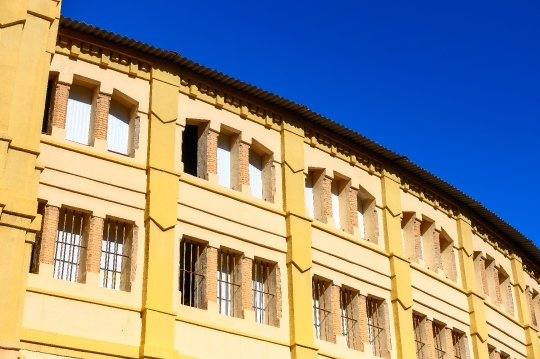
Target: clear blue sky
(454, 86)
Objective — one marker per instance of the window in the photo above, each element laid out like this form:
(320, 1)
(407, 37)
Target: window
(367, 217)
(229, 293)
(309, 195)
(492, 353)
(192, 273)
(427, 230)
(376, 332)
(118, 128)
(115, 255)
(264, 292)
(78, 115)
(348, 308)
(322, 312)
(458, 342)
(532, 299)
(34, 259)
(224, 160)
(439, 339)
(360, 214)
(190, 149)
(47, 109)
(70, 245)
(420, 337)
(256, 174)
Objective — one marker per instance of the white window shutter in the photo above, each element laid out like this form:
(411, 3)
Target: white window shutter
(255, 174)
(335, 205)
(78, 114)
(360, 212)
(309, 195)
(118, 128)
(224, 160)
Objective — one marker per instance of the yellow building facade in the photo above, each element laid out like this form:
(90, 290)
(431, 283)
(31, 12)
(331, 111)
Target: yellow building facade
(152, 207)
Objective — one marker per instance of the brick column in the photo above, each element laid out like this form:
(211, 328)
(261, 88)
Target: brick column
(211, 274)
(279, 299)
(531, 308)
(102, 116)
(336, 313)
(244, 163)
(61, 96)
(449, 343)
(430, 341)
(353, 207)
(386, 331)
(211, 146)
(95, 237)
(437, 249)
(48, 236)
(497, 286)
(247, 290)
(417, 239)
(327, 197)
(362, 321)
(483, 276)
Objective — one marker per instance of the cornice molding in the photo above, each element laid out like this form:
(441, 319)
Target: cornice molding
(424, 194)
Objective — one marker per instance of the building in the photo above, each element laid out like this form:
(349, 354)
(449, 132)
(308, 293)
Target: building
(166, 210)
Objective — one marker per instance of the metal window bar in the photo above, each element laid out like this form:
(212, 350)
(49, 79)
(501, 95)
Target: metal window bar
(348, 322)
(419, 338)
(375, 325)
(438, 333)
(321, 311)
(456, 343)
(228, 283)
(69, 245)
(262, 297)
(192, 278)
(113, 254)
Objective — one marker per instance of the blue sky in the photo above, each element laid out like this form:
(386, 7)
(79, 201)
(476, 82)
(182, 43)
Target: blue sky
(454, 86)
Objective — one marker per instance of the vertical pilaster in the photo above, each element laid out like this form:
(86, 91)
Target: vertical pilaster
(61, 96)
(531, 334)
(477, 311)
(95, 237)
(27, 30)
(299, 260)
(247, 292)
(401, 295)
(102, 116)
(363, 321)
(158, 318)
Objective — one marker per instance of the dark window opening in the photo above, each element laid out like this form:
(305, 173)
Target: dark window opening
(34, 258)
(189, 149)
(47, 109)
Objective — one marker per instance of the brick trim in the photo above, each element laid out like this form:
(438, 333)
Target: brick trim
(211, 152)
(511, 308)
(48, 237)
(327, 196)
(362, 321)
(247, 292)
(279, 299)
(243, 154)
(336, 315)
(59, 111)
(95, 239)
(353, 207)
(102, 116)
(437, 250)
(430, 341)
(133, 255)
(498, 293)
(386, 330)
(449, 343)
(211, 274)
(483, 275)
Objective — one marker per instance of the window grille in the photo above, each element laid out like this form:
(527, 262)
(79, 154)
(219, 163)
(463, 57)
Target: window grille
(375, 325)
(255, 174)
(228, 284)
(438, 337)
(322, 315)
(118, 128)
(115, 256)
(192, 274)
(70, 246)
(263, 295)
(78, 114)
(224, 160)
(419, 337)
(36, 247)
(349, 318)
(457, 343)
